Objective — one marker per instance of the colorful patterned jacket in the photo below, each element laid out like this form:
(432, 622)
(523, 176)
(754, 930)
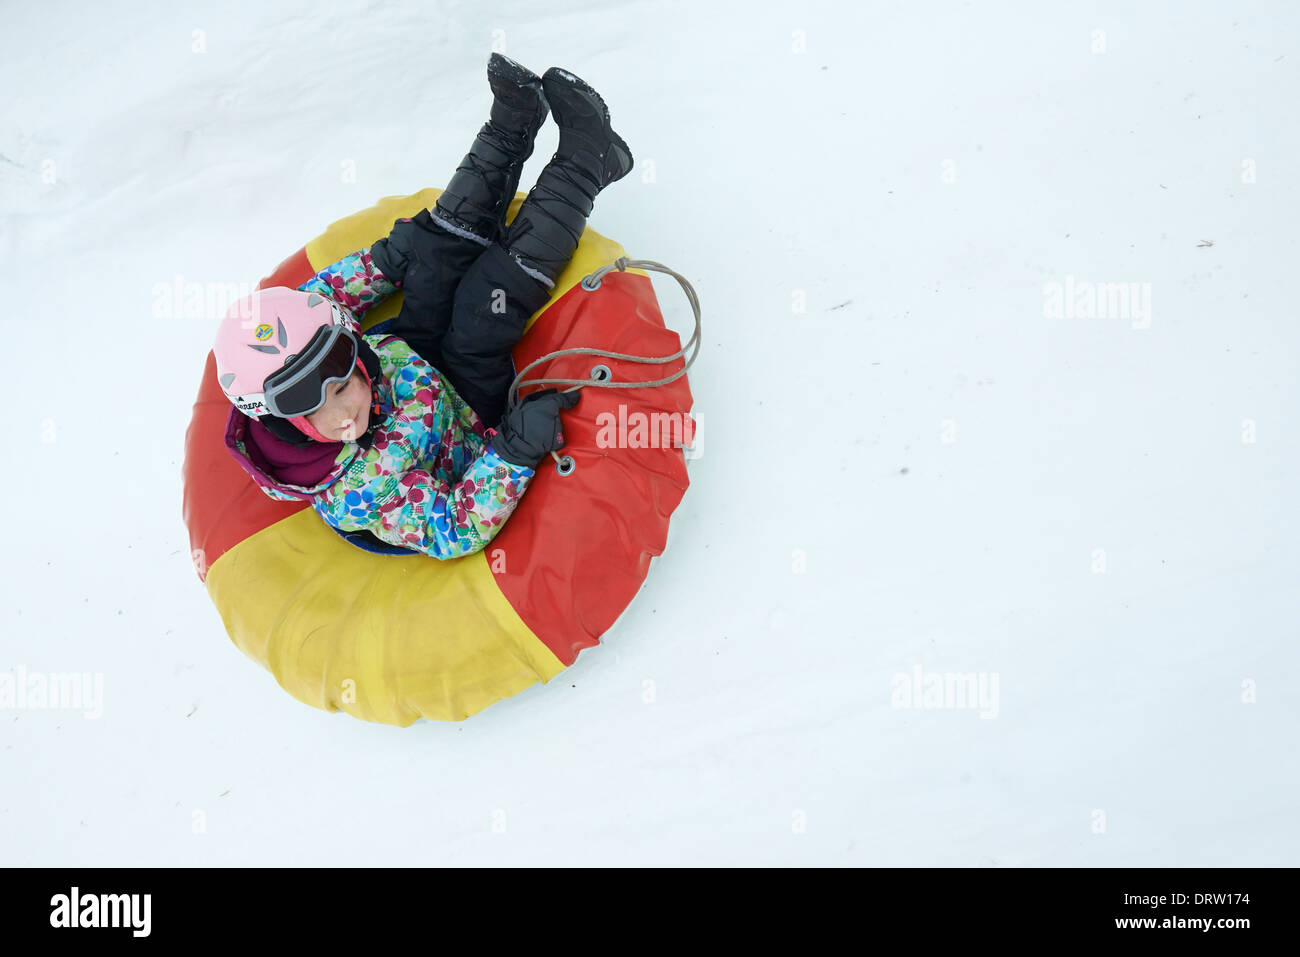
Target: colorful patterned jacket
(429, 480)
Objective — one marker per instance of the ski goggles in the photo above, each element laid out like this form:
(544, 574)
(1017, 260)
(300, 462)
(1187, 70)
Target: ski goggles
(300, 387)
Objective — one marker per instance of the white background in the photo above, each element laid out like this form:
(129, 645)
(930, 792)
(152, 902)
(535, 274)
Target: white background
(920, 175)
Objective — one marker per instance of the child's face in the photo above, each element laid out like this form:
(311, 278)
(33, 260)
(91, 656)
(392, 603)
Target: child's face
(346, 412)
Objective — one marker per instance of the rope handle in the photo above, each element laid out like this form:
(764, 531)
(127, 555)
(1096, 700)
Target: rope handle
(591, 283)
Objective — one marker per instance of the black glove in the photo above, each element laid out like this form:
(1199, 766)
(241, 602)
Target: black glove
(396, 253)
(531, 429)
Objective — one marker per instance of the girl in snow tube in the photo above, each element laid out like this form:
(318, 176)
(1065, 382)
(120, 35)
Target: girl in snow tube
(383, 436)
(295, 358)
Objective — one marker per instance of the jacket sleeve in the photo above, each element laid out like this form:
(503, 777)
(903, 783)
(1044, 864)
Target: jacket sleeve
(416, 510)
(355, 281)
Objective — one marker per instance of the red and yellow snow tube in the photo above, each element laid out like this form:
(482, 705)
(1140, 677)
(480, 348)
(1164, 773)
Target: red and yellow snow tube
(394, 639)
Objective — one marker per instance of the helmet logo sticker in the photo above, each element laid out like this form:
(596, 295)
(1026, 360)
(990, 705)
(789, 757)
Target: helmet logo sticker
(263, 332)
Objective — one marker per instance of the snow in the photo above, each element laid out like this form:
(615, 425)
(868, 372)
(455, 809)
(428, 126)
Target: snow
(876, 204)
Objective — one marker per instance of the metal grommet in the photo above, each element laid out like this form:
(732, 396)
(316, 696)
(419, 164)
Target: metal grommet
(601, 373)
(588, 284)
(565, 465)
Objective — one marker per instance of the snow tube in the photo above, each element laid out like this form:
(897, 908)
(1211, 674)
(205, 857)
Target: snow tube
(391, 639)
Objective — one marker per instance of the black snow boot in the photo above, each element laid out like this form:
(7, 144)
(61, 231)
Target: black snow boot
(546, 230)
(474, 203)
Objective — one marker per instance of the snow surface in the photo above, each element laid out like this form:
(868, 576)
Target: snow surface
(953, 464)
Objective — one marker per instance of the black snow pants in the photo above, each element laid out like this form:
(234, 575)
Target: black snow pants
(464, 307)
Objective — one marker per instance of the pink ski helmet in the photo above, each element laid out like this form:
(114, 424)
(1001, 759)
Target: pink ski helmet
(278, 349)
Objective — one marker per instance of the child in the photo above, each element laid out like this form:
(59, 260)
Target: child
(384, 432)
